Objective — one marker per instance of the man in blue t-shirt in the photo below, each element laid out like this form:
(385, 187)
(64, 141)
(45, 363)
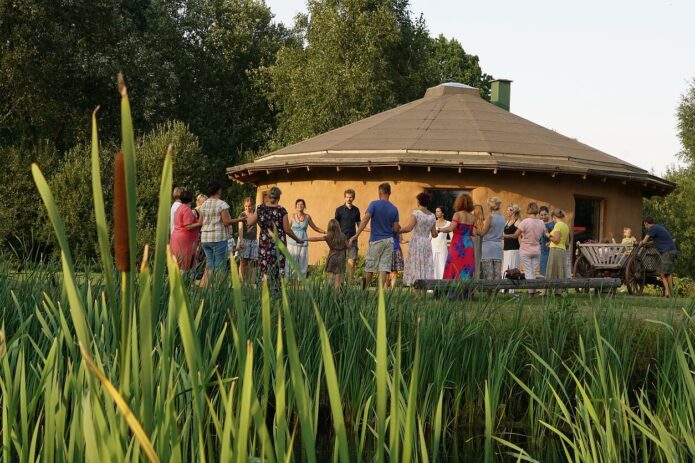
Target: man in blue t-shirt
(663, 242)
(384, 218)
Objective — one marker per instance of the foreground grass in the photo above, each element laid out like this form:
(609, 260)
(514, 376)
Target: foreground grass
(511, 368)
(141, 365)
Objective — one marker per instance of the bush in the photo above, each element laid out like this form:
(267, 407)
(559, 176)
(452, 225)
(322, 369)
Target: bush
(73, 189)
(21, 214)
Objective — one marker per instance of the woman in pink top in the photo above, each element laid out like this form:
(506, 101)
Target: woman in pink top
(530, 230)
(184, 238)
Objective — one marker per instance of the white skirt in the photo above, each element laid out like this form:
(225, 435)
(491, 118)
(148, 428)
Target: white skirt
(510, 259)
(439, 258)
(301, 255)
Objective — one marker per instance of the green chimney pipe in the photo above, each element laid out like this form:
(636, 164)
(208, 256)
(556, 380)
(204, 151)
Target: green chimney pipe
(501, 90)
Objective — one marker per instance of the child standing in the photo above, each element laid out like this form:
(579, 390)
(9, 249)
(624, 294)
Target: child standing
(628, 239)
(397, 263)
(337, 243)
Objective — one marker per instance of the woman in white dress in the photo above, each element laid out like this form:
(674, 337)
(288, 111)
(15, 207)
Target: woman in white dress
(440, 246)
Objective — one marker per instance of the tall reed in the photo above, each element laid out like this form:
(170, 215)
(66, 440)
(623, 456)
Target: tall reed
(164, 370)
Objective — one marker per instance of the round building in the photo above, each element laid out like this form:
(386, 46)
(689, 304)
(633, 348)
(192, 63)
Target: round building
(453, 141)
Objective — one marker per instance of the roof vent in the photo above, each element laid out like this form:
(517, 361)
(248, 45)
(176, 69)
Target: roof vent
(451, 88)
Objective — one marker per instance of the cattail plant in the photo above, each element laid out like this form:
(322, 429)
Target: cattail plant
(120, 216)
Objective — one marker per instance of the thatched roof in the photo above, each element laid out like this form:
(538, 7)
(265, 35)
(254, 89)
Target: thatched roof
(450, 127)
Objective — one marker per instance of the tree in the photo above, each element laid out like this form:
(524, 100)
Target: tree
(57, 65)
(677, 210)
(686, 124)
(451, 63)
(21, 212)
(350, 59)
(74, 194)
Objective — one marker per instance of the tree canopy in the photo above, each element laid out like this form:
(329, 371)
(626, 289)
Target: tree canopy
(677, 210)
(350, 59)
(236, 82)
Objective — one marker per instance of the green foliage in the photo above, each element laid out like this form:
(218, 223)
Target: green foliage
(686, 124)
(21, 220)
(354, 58)
(677, 210)
(199, 63)
(677, 213)
(451, 63)
(74, 194)
(55, 74)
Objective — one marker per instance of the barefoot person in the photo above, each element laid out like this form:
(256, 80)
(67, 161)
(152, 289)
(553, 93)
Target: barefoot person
(348, 216)
(397, 263)
(663, 242)
(384, 218)
(337, 243)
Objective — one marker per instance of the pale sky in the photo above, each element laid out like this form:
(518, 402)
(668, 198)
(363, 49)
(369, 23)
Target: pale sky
(608, 73)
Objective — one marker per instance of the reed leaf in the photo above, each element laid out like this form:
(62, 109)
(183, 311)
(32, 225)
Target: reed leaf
(244, 420)
(298, 384)
(100, 214)
(333, 387)
(410, 432)
(381, 380)
(77, 311)
(128, 416)
(162, 237)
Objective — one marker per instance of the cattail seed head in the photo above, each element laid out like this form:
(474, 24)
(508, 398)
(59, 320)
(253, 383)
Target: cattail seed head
(120, 216)
(122, 89)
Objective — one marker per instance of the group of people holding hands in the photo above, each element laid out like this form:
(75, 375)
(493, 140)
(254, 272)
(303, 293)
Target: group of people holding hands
(478, 242)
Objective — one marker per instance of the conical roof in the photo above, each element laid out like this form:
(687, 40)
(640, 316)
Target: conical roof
(451, 126)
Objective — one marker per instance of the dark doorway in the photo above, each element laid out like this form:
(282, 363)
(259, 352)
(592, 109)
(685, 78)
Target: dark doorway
(587, 219)
(444, 199)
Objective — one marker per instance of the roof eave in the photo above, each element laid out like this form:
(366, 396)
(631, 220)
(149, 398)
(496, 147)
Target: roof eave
(651, 184)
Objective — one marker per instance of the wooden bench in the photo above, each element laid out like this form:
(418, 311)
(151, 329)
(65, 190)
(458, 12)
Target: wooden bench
(488, 285)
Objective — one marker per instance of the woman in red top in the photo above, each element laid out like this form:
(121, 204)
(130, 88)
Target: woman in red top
(184, 238)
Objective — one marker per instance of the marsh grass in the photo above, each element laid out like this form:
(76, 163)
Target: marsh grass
(145, 365)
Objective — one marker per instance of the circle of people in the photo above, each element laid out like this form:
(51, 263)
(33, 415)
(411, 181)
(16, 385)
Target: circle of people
(478, 242)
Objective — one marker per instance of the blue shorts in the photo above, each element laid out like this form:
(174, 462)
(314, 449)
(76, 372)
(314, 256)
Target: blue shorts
(215, 254)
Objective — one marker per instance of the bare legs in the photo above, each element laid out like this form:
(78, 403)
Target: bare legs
(336, 279)
(352, 265)
(667, 280)
(393, 277)
(247, 270)
(368, 278)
